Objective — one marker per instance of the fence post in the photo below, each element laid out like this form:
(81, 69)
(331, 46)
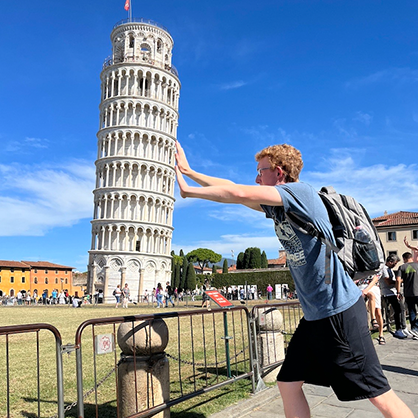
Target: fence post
(143, 371)
(227, 338)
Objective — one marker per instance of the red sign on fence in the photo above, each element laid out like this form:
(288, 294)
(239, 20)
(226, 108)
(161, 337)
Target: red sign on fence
(219, 299)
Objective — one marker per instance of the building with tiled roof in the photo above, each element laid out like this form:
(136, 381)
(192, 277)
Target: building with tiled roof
(393, 227)
(13, 264)
(14, 276)
(278, 262)
(31, 276)
(46, 264)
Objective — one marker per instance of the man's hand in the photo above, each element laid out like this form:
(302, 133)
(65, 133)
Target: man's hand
(181, 160)
(181, 182)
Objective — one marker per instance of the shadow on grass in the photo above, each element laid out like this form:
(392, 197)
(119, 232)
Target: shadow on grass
(108, 410)
(105, 410)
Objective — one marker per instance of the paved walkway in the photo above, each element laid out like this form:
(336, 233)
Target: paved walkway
(399, 360)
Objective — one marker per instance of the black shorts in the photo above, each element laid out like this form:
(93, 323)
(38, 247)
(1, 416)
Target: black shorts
(336, 352)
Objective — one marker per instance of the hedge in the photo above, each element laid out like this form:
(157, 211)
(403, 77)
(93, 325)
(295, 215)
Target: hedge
(260, 278)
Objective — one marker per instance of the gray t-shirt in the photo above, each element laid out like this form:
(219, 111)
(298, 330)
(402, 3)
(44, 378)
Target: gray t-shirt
(306, 254)
(409, 274)
(387, 289)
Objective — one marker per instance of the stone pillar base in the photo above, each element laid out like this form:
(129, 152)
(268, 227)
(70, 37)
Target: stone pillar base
(271, 345)
(152, 384)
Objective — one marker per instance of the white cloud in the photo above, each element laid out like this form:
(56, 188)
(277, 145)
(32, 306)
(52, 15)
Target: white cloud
(363, 117)
(36, 142)
(28, 142)
(378, 187)
(43, 197)
(233, 85)
(391, 75)
(344, 130)
(239, 213)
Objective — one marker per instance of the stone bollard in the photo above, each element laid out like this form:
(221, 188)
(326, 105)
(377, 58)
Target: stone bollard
(270, 340)
(148, 340)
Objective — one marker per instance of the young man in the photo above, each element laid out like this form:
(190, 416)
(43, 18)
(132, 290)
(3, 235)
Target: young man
(170, 292)
(408, 274)
(390, 294)
(332, 345)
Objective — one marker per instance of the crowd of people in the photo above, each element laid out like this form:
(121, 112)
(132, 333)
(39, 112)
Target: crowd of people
(387, 287)
(24, 297)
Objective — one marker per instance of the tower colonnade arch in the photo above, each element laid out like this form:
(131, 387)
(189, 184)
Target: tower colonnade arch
(119, 81)
(133, 143)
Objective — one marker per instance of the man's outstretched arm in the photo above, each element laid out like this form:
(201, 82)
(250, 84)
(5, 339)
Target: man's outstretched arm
(250, 196)
(409, 246)
(199, 178)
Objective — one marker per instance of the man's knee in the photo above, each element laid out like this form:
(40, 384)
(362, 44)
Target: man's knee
(287, 387)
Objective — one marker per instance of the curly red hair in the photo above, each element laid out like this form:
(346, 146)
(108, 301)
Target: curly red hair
(288, 158)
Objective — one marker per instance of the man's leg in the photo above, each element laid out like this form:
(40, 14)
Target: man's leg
(294, 400)
(391, 406)
(394, 302)
(410, 301)
(379, 319)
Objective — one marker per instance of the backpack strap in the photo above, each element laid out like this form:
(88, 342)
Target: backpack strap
(308, 228)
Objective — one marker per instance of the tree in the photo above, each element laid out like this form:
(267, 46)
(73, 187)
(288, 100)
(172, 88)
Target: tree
(254, 261)
(214, 270)
(176, 263)
(203, 256)
(264, 261)
(240, 261)
(183, 273)
(246, 261)
(181, 253)
(225, 266)
(190, 282)
(177, 277)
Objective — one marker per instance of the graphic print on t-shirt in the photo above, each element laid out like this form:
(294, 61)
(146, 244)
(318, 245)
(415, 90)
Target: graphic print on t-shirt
(291, 243)
(410, 269)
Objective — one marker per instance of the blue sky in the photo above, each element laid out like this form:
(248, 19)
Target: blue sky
(336, 79)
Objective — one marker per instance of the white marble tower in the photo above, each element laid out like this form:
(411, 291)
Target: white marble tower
(134, 194)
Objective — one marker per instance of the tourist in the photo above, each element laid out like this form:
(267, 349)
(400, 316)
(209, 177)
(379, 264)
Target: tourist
(117, 294)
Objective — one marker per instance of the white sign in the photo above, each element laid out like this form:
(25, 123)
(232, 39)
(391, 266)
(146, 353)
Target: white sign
(105, 343)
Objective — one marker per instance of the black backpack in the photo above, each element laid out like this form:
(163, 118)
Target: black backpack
(358, 245)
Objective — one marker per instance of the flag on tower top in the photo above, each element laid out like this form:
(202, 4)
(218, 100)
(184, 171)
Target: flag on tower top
(127, 4)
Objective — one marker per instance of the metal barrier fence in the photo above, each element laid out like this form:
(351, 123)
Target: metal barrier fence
(206, 350)
(27, 371)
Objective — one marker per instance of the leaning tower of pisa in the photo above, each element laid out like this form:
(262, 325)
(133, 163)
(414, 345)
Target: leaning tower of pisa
(134, 194)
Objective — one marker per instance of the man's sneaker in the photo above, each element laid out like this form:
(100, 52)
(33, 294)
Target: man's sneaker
(407, 332)
(414, 331)
(399, 334)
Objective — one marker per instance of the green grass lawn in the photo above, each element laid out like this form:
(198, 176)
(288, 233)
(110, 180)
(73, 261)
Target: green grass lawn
(199, 339)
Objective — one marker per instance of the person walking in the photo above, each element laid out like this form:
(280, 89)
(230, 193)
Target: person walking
(332, 345)
(126, 294)
(117, 294)
(159, 295)
(169, 295)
